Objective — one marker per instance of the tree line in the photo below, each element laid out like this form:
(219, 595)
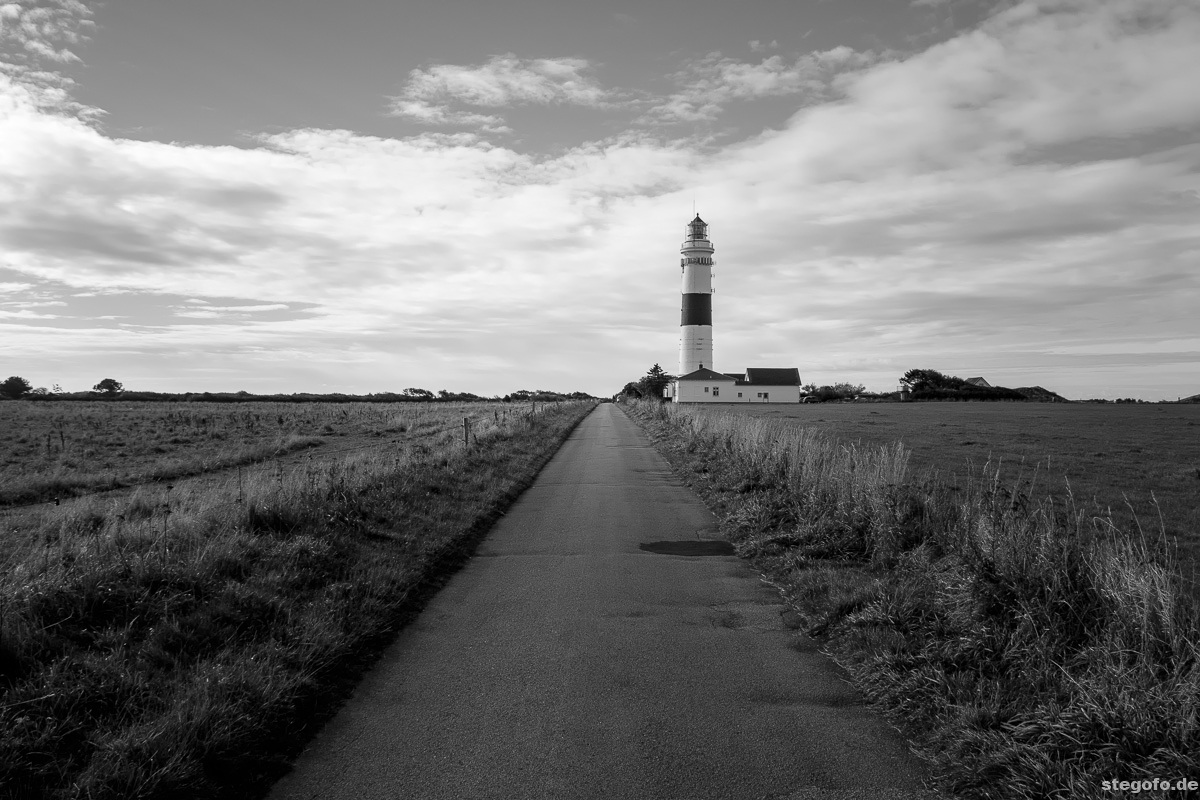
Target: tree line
(17, 388)
(929, 384)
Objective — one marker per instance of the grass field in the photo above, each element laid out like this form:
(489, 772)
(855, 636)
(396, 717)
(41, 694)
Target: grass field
(65, 449)
(1112, 458)
(181, 640)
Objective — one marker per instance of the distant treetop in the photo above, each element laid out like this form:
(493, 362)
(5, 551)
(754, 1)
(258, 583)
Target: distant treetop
(15, 388)
(109, 386)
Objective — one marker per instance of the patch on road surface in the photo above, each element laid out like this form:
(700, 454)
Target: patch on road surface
(689, 547)
(754, 617)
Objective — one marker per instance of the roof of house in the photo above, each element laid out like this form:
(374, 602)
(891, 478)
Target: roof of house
(707, 375)
(765, 376)
(755, 376)
(978, 382)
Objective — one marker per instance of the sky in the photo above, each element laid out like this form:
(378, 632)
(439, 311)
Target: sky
(292, 196)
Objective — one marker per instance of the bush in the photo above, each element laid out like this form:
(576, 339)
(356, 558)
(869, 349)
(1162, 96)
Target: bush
(15, 388)
(109, 387)
(838, 391)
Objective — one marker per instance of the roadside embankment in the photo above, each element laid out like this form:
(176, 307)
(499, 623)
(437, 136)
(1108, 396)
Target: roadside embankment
(1028, 649)
(147, 654)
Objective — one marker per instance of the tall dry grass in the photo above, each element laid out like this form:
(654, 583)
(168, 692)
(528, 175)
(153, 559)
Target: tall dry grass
(1029, 648)
(180, 643)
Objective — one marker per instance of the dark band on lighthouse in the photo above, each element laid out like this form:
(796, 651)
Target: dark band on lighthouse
(697, 309)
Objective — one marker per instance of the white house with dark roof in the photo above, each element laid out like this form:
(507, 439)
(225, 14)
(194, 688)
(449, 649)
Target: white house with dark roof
(698, 382)
(757, 385)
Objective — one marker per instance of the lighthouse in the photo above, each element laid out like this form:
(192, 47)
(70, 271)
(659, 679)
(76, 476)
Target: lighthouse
(695, 324)
(698, 381)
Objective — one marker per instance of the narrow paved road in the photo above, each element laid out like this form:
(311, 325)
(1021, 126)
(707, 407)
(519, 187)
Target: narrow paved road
(564, 661)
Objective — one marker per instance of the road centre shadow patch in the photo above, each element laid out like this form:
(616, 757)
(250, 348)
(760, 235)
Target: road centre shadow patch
(689, 547)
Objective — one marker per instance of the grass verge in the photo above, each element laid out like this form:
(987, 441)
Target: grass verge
(1026, 648)
(189, 656)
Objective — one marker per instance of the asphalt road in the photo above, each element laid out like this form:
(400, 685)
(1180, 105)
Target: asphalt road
(565, 661)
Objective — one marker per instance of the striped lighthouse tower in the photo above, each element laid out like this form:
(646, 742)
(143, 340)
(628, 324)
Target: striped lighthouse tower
(695, 332)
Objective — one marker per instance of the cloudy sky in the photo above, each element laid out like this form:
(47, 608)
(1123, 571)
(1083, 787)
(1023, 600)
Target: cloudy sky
(291, 195)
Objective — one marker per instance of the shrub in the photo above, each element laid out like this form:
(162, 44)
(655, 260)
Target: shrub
(14, 388)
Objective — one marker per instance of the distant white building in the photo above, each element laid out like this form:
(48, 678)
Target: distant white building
(757, 385)
(698, 382)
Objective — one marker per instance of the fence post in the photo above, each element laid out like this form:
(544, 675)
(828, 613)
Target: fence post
(466, 432)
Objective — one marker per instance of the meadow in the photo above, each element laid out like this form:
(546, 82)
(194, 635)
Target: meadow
(182, 639)
(1028, 643)
(1138, 463)
(66, 449)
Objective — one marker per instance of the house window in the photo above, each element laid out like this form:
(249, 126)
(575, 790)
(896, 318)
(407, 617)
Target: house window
(739, 394)
(706, 390)
(760, 394)
(716, 390)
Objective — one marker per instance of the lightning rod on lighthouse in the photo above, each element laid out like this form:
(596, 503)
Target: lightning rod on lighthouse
(695, 332)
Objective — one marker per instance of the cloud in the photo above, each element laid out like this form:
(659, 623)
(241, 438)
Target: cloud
(43, 29)
(1023, 196)
(503, 81)
(211, 310)
(709, 84)
(760, 47)
(41, 32)
(1036, 76)
(430, 114)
